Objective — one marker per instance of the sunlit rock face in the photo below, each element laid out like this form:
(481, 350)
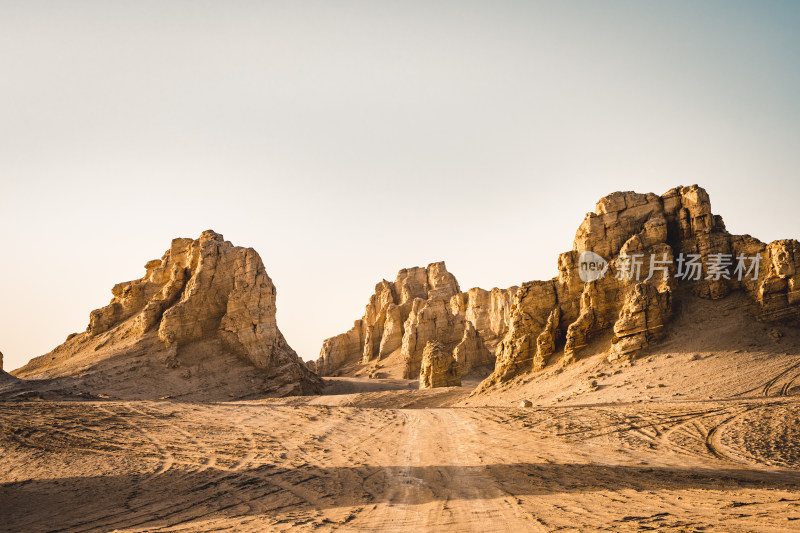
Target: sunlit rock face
(438, 367)
(652, 245)
(204, 296)
(628, 260)
(422, 305)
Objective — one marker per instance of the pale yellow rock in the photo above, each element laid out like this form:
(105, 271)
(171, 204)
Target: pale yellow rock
(778, 289)
(578, 332)
(471, 352)
(421, 305)
(438, 367)
(546, 341)
(644, 226)
(411, 283)
(533, 305)
(429, 320)
(340, 350)
(203, 296)
(641, 320)
(488, 311)
(442, 285)
(392, 331)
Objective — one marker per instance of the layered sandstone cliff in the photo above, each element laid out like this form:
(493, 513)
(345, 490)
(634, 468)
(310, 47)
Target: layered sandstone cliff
(200, 323)
(652, 244)
(422, 305)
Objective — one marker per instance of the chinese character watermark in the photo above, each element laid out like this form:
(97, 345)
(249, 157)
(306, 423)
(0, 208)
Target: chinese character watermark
(592, 267)
(689, 267)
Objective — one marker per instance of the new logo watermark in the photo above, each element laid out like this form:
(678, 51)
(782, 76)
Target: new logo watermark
(592, 267)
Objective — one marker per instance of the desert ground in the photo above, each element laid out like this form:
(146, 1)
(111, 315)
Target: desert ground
(347, 462)
(700, 433)
(692, 425)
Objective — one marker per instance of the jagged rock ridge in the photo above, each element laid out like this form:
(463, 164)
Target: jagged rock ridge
(651, 245)
(422, 305)
(200, 322)
(661, 236)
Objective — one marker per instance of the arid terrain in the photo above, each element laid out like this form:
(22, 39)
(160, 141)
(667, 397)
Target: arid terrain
(613, 404)
(681, 439)
(281, 465)
(399, 266)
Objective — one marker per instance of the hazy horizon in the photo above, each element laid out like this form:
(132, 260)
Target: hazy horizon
(347, 141)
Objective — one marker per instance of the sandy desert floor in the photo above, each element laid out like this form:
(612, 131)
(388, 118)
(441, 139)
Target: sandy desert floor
(279, 465)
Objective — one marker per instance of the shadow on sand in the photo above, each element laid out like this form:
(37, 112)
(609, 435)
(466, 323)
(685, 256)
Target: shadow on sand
(176, 495)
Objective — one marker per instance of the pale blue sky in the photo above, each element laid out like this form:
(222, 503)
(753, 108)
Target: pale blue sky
(346, 140)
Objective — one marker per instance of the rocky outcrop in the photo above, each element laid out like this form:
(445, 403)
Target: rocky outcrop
(429, 320)
(546, 341)
(488, 311)
(471, 352)
(204, 296)
(4, 376)
(438, 367)
(649, 245)
(641, 321)
(422, 305)
(380, 331)
(778, 292)
(533, 304)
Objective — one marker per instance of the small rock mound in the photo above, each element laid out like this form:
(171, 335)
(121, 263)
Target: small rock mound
(439, 368)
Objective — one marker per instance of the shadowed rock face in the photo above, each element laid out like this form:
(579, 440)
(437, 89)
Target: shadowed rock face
(627, 224)
(203, 299)
(422, 305)
(4, 376)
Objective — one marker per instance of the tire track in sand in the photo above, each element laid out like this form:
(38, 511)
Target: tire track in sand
(436, 481)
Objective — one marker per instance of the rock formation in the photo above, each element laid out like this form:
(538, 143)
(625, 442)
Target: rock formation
(422, 305)
(438, 368)
(6, 380)
(429, 320)
(641, 320)
(651, 244)
(471, 351)
(4, 376)
(200, 322)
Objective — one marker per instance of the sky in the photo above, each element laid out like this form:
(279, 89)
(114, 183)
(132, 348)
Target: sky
(346, 140)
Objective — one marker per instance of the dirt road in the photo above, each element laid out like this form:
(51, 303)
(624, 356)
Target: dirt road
(277, 465)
